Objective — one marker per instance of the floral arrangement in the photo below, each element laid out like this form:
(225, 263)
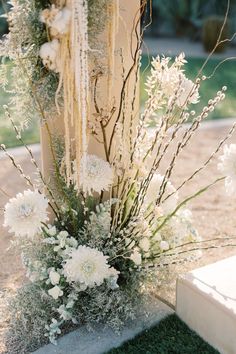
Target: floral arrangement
(95, 239)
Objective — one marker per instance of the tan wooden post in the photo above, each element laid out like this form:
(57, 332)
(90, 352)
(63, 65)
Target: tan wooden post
(125, 40)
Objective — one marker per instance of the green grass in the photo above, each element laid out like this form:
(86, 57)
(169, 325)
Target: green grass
(8, 136)
(225, 75)
(170, 336)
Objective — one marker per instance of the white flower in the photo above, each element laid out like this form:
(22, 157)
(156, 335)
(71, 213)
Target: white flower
(171, 82)
(136, 257)
(55, 292)
(96, 175)
(57, 20)
(228, 167)
(185, 214)
(152, 193)
(157, 237)
(144, 244)
(50, 55)
(112, 278)
(48, 15)
(52, 231)
(54, 277)
(169, 79)
(164, 245)
(25, 213)
(87, 265)
(188, 92)
(62, 238)
(61, 23)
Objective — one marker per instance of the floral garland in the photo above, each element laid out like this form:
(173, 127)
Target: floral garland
(118, 223)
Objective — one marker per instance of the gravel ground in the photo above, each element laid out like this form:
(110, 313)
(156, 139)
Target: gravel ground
(214, 213)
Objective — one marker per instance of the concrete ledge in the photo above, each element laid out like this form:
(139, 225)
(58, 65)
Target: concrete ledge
(206, 301)
(102, 340)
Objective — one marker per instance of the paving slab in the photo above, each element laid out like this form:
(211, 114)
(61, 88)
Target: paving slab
(175, 46)
(99, 341)
(206, 302)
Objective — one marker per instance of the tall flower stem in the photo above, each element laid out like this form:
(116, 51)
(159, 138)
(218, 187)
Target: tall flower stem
(185, 201)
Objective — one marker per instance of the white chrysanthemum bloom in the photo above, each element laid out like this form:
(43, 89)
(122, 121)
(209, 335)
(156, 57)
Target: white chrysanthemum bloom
(55, 292)
(228, 167)
(96, 175)
(61, 23)
(25, 213)
(87, 266)
(49, 53)
(152, 192)
(136, 257)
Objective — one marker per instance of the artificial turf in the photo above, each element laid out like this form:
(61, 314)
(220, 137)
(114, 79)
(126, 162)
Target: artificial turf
(170, 336)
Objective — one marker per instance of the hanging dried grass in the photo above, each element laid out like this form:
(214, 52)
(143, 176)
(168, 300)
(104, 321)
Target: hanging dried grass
(113, 26)
(74, 76)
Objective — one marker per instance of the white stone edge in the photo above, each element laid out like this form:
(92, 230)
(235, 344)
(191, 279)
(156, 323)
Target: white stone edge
(182, 279)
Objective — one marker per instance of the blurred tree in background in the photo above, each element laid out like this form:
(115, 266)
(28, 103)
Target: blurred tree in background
(4, 7)
(186, 17)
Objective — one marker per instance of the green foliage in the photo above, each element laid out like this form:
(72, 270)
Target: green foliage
(187, 16)
(182, 14)
(28, 311)
(171, 335)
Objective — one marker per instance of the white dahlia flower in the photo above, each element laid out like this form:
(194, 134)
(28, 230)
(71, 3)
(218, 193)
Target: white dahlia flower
(228, 167)
(96, 175)
(25, 213)
(87, 266)
(152, 193)
(50, 55)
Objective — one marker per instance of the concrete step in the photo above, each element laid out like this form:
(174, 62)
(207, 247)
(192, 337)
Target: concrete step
(206, 302)
(99, 341)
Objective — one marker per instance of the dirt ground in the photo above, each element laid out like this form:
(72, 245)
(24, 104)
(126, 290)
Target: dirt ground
(214, 213)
